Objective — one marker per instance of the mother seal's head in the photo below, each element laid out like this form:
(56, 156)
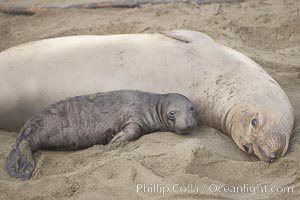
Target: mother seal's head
(179, 113)
(264, 132)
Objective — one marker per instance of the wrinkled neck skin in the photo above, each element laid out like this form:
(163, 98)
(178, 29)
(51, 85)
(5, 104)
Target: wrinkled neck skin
(162, 118)
(269, 140)
(154, 115)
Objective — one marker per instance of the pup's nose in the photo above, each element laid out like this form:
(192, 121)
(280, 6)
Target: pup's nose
(190, 124)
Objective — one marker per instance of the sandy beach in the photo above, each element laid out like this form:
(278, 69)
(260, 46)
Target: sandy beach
(166, 165)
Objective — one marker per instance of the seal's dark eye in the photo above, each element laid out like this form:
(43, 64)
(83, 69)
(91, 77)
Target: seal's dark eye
(254, 122)
(192, 109)
(171, 115)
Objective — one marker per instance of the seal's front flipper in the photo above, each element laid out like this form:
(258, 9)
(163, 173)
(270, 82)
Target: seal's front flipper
(130, 132)
(20, 163)
(188, 36)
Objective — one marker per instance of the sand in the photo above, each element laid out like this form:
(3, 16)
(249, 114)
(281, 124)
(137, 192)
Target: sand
(265, 30)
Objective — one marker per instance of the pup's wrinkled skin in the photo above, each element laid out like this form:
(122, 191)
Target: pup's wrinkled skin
(101, 118)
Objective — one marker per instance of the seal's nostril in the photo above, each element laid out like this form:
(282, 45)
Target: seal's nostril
(272, 158)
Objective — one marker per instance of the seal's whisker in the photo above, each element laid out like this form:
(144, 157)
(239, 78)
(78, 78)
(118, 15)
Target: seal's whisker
(278, 126)
(282, 125)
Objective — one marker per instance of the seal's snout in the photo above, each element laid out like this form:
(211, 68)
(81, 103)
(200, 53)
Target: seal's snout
(268, 155)
(191, 123)
(275, 147)
(188, 127)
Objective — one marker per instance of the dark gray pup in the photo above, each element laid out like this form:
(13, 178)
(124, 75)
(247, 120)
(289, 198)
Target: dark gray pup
(101, 118)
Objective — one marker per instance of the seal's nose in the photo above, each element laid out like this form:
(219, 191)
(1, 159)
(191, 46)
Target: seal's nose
(272, 158)
(190, 124)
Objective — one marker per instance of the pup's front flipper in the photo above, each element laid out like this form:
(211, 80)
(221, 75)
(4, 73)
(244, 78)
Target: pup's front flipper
(20, 163)
(130, 132)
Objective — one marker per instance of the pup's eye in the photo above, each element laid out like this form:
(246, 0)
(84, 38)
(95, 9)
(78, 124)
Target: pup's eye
(254, 122)
(172, 115)
(192, 109)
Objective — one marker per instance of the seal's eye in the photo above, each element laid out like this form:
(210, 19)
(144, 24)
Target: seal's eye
(254, 122)
(172, 115)
(192, 109)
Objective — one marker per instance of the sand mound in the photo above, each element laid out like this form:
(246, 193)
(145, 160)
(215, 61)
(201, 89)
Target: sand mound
(160, 160)
(203, 165)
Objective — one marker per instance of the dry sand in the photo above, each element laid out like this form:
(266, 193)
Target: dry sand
(265, 30)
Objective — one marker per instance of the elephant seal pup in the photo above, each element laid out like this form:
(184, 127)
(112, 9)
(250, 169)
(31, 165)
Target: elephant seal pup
(101, 118)
(232, 92)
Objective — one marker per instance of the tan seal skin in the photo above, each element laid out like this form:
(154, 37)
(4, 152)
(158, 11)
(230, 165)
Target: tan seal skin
(233, 93)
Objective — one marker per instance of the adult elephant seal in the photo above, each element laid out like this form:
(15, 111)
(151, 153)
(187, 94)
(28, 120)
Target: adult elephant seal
(84, 121)
(234, 94)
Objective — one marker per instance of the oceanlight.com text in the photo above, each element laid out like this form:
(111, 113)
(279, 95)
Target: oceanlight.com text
(158, 188)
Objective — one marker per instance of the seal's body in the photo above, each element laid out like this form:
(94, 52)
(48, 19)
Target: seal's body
(235, 95)
(83, 121)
